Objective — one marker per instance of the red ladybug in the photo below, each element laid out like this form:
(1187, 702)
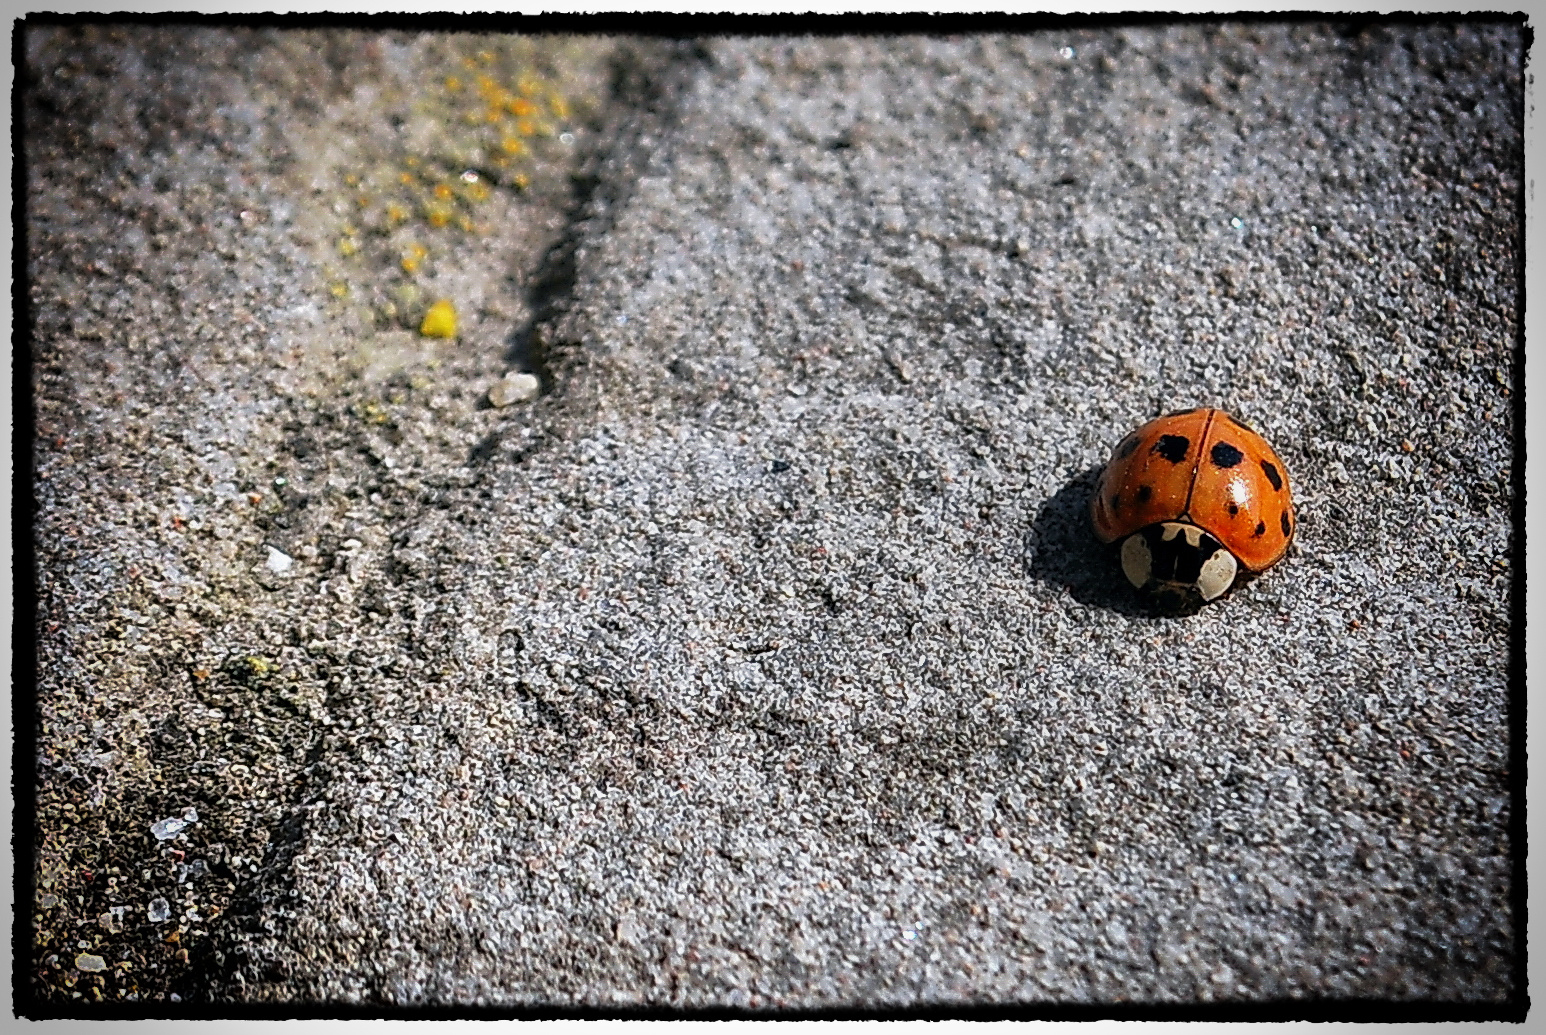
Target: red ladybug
(1195, 497)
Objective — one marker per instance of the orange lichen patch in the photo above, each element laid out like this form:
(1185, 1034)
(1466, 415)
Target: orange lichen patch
(412, 256)
(497, 111)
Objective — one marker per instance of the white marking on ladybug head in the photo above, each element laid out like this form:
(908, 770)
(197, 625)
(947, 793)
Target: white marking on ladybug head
(1170, 529)
(1218, 572)
(1136, 562)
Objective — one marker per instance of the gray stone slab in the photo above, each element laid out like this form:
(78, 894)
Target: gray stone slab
(767, 660)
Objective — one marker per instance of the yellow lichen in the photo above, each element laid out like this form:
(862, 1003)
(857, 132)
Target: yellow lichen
(372, 412)
(440, 321)
(491, 103)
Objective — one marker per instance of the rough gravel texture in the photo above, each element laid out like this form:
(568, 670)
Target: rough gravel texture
(767, 660)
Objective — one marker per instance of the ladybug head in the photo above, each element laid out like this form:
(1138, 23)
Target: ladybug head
(1177, 567)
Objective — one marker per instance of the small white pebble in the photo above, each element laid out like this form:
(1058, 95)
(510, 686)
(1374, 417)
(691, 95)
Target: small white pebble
(278, 562)
(166, 829)
(90, 963)
(516, 386)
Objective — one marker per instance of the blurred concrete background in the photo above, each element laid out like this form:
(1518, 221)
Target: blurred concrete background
(765, 660)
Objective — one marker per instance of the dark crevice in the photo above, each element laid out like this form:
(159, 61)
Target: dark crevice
(236, 942)
(648, 80)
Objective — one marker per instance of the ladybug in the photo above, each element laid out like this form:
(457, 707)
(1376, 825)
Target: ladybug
(1196, 498)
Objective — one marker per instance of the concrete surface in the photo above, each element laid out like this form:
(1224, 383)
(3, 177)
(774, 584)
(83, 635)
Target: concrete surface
(766, 661)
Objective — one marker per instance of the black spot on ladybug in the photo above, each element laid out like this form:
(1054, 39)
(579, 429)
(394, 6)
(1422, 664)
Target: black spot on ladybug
(1144, 492)
(1226, 455)
(1261, 530)
(1128, 447)
(1182, 413)
(1173, 447)
(1234, 508)
(1283, 517)
(1272, 476)
(1116, 501)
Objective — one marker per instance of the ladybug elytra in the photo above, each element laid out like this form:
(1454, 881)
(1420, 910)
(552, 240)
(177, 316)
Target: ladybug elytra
(1196, 498)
